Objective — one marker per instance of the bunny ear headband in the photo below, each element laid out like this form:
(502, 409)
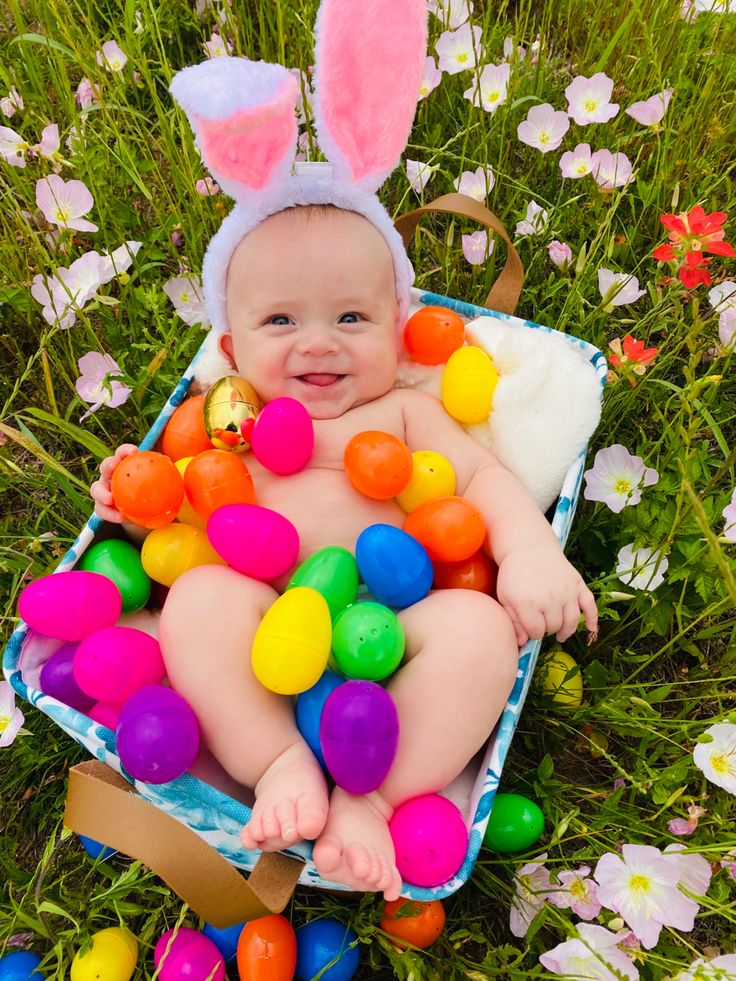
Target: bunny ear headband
(369, 62)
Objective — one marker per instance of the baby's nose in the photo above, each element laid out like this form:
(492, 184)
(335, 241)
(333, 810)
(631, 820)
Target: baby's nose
(318, 340)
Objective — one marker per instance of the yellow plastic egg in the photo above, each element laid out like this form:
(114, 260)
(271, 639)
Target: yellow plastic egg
(112, 957)
(561, 679)
(431, 476)
(468, 382)
(293, 642)
(187, 515)
(169, 552)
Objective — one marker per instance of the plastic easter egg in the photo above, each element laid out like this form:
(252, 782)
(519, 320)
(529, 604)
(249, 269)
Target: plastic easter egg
(106, 714)
(292, 643)
(395, 567)
(229, 402)
(256, 541)
(216, 478)
(561, 679)
(515, 823)
(147, 489)
(70, 605)
(433, 333)
(112, 957)
(468, 383)
(368, 641)
(432, 475)
(309, 706)
(378, 464)
(430, 839)
(226, 940)
(158, 735)
(121, 562)
(186, 513)
(187, 953)
(267, 950)
(185, 434)
(359, 734)
(478, 572)
(413, 923)
(57, 679)
(333, 573)
(20, 965)
(321, 942)
(450, 528)
(282, 438)
(111, 664)
(95, 849)
(168, 553)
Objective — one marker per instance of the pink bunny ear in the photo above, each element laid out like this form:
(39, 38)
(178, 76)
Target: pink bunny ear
(243, 114)
(369, 63)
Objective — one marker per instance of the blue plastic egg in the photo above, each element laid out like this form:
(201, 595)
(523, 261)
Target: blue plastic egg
(96, 849)
(394, 566)
(225, 940)
(20, 966)
(309, 705)
(321, 942)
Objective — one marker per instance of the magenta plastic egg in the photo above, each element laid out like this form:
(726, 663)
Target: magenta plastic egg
(190, 955)
(256, 541)
(112, 663)
(158, 735)
(359, 734)
(106, 714)
(283, 436)
(70, 605)
(57, 679)
(430, 839)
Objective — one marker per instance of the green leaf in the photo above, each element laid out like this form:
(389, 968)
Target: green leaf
(95, 446)
(47, 42)
(546, 767)
(48, 907)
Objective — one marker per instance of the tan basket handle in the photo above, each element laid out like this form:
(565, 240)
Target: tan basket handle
(104, 806)
(505, 292)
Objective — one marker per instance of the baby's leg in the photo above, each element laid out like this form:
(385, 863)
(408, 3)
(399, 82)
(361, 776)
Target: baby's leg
(206, 633)
(462, 661)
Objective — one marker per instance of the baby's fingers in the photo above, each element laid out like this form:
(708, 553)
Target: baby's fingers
(521, 635)
(108, 465)
(570, 621)
(586, 601)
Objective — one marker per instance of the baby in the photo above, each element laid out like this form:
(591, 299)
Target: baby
(312, 313)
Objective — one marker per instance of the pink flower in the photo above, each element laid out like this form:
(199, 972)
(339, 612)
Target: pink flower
(217, 47)
(578, 892)
(651, 111)
(729, 516)
(543, 128)
(694, 872)
(718, 969)
(532, 888)
(489, 90)
(111, 57)
(611, 169)
(476, 247)
(50, 141)
(12, 147)
(87, 93)
(688, 12)
(185, 292)
(534, 222)
(207, 187)
(589, 99)
(64, 202)
(476, 183)
(96, 384)
(679, 826)
(431, 77)
(618, 289)
(11, 717)
(11, 102)
(511, 52)
(418, 174)
(452, 13)
(458, 50)
(595, 956)
(576, 163)
(617, 478)
(560, 254)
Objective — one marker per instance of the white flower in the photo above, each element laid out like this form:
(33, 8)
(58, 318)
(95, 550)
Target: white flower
(576, 163)
(476, 247)
(617, 478)
(534, 222)
(543, 128)
(642, 568)
(560, 253)
(611, 169)
(715, 6)
(217, 47)
(723, 296)
(489, 91)
(458, 50)
(510, 52)
(617, 289)
(418, 174)
(475, 183)
(650, 112)
(12, 102)
(593, 957)
(693, 870)
(727, 328)
(589, 99)
(719, 969)
(717, 758)
(532, 887)
(11, 717)
(577, 891)
(185, 292)
(452, 13)
(12, 147)
(431, 77)
(111, 57)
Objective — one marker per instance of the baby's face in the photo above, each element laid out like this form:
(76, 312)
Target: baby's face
(311, 304)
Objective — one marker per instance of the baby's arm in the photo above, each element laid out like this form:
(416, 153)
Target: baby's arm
(539, 589)
(102, 494)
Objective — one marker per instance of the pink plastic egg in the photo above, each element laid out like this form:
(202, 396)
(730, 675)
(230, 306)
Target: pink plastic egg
(430, 839)
(106, 714)
(190, 955)
(70, 605)
(112, 663)
(283, 436)
(256, 541)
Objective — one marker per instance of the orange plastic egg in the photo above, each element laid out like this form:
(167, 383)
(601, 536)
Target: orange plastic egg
(267, 950)
(418, 924)
(433, 333)
(215, 478)
(479, 572)
(147, 489)
(378, 464)
(185, 434)
(450, 528)
(187, 515)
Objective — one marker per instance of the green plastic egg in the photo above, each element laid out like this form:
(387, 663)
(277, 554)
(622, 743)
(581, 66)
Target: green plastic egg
(121, 562)
(112, 957)
(515, 823)
(333, 573)
(367, 641)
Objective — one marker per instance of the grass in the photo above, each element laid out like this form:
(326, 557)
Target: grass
(663, 668)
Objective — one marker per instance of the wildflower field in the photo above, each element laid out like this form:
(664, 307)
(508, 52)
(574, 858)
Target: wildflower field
(602, 135)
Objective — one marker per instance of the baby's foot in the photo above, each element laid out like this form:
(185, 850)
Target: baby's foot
(291, 802)
(356, 847)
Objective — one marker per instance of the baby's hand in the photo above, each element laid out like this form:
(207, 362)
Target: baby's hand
(101, 491)
(543, 594)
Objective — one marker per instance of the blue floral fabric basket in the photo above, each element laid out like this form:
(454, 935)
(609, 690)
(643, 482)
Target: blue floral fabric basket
(216, 817)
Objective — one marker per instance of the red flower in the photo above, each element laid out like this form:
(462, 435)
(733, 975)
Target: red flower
(691, 234)
(631, 356)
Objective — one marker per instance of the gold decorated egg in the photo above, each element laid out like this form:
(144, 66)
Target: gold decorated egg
(228, 404)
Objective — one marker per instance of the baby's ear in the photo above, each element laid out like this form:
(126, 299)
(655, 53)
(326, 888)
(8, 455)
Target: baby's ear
(243, 114)
(369, 64)
(225, 346)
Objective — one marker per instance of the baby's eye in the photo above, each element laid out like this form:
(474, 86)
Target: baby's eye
(279, 319)
(349, 318)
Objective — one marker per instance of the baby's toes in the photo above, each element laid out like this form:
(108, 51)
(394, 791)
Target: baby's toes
(252, 833)
(359, 860)
(311, 814)
(271, 825)
(387, 874)
(286, 816)
(393, 889)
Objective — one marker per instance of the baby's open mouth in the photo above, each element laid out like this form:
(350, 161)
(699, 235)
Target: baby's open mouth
(322, 379)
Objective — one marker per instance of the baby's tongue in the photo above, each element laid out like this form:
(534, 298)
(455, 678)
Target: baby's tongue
(320, 378)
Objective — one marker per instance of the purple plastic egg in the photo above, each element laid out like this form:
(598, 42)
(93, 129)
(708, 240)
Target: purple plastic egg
(112, 663)
(57, 679)
(106, 714)
(190, 955)
(70, 605)
(157, 735)
(283, 436)
(359, 734)
(256, 541)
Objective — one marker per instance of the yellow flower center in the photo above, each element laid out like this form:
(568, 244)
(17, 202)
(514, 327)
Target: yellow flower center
(544, 137)
(577, 888)
(184, 297)
(462, 57)
(696, 244)
(4, 722)
(581, 168)
(62, 216)
(424, 90)
(494, 96)
(591, 105)
(720, 763)
(639, 883)
(622, 486)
